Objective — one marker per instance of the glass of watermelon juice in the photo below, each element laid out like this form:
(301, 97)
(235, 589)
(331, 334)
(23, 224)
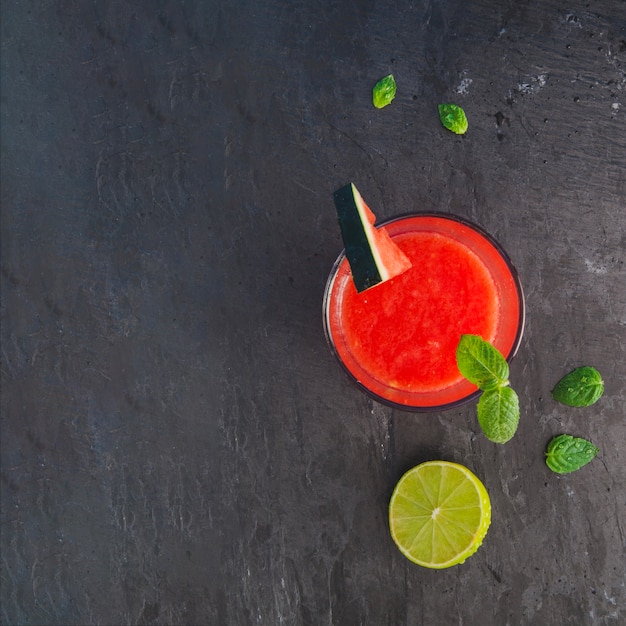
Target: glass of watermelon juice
(397, 340)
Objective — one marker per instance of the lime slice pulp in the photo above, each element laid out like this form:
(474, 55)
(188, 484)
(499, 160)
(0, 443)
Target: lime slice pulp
(439, 514)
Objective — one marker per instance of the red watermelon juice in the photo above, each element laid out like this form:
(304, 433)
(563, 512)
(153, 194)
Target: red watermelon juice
(398, 340)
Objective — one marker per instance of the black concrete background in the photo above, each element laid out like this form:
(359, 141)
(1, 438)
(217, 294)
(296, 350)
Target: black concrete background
(178, 445)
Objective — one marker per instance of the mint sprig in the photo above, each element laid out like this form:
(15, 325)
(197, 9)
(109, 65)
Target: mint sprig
(581, 387)
(498, 413)
(481, 363)
(566, 454)
(384, 91)
(453, 118)
(485, 366)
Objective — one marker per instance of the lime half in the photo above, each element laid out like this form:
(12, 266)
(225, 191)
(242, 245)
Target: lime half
(439, 514)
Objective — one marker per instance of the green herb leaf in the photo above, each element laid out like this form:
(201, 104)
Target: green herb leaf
(485, 366)
(582, 387)
(481, 363)
(384, 91)
(566, 454)
(453, 118)
(498, 414)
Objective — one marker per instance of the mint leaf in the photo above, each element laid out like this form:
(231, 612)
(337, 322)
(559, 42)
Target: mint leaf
(566, 454)
(485, 366)
(384, 91)
(498, 414)
(481, 363)
(453, 118)
(582, 387)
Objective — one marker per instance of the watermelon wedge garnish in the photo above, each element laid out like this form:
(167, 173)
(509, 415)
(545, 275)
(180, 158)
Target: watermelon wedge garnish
(371, 253)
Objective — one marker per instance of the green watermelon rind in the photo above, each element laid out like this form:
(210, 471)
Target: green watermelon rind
(361, 240)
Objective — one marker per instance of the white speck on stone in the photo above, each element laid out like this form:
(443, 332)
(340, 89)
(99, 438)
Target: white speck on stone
(534, 84)
(463, 87)
(613, 601)
(615, 107)
(595, 269)
(569, 491)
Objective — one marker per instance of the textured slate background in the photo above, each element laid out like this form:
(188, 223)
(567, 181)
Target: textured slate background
(178, 445)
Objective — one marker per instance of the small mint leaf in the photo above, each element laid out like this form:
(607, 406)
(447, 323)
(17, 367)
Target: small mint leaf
(498, 414)
(481, 363)
(566, 454)
(453, 118)
(384, 91)
(582, 387)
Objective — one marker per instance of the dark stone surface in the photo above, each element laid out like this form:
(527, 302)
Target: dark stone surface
(178, 445)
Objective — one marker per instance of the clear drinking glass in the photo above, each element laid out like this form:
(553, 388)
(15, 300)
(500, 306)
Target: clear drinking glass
(380, 384)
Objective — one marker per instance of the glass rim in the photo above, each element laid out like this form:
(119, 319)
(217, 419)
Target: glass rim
(517, 340)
